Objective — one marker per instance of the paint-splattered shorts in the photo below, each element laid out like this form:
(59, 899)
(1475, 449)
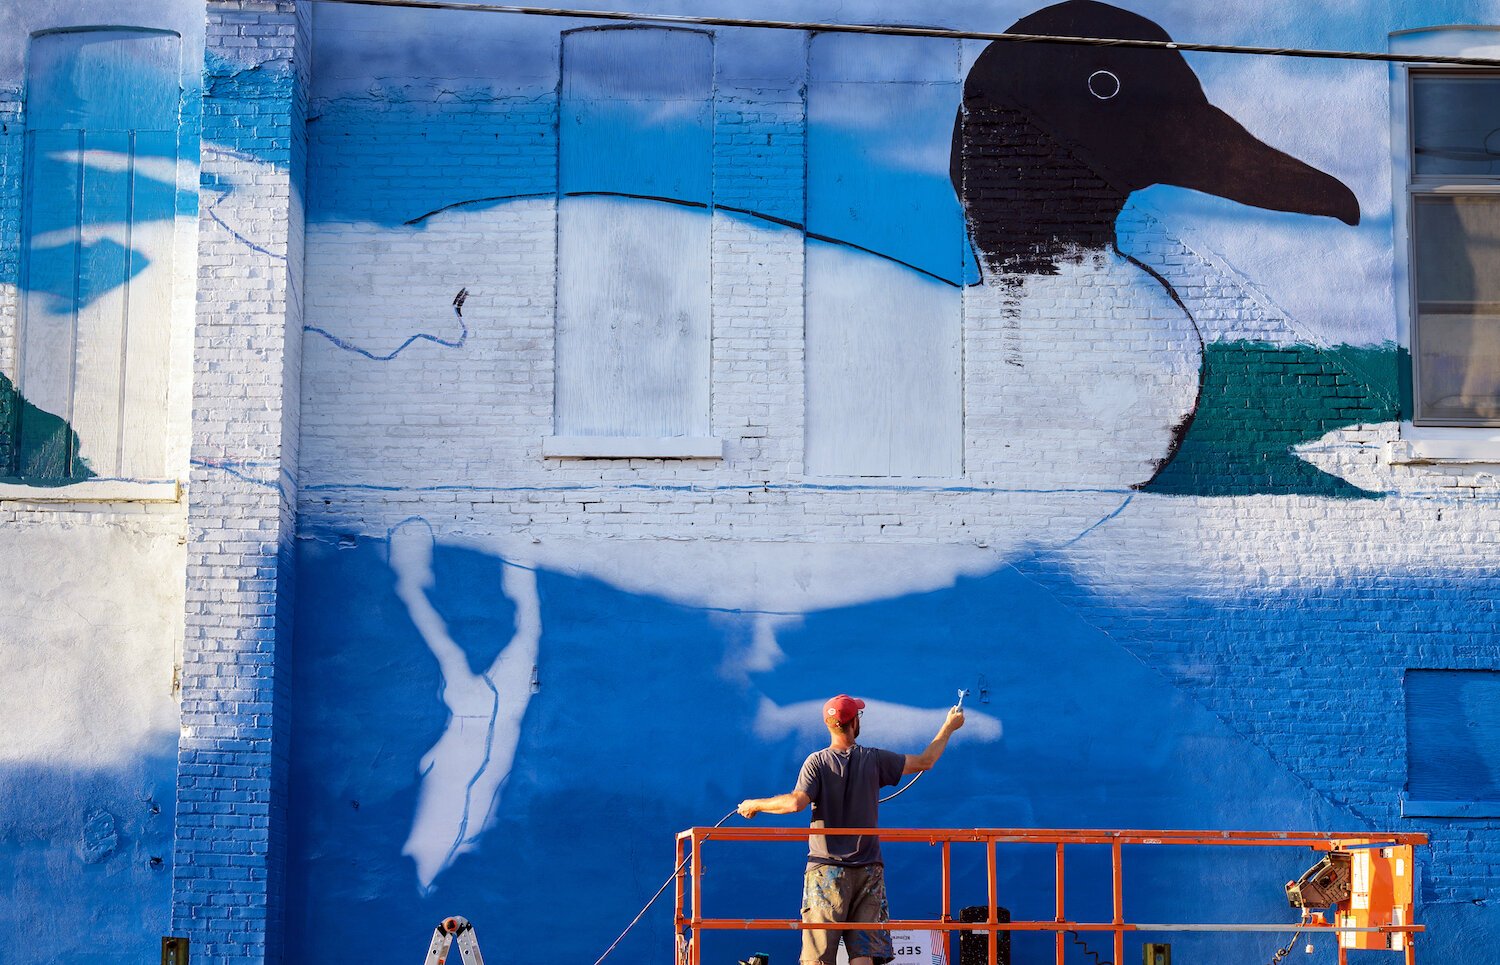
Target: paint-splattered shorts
(834, 894)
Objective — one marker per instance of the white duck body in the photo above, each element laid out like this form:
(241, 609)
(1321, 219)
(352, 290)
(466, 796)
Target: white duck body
(1083, 379)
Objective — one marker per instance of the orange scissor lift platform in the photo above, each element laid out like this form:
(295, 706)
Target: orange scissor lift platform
(1379, 913)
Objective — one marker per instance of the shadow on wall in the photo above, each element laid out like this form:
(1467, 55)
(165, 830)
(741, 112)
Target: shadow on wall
(644, 722)
(88, 854)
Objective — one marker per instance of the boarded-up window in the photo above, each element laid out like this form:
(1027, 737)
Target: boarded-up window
(884, 389)
(635, 175)
(96, 272)
(1453, 736)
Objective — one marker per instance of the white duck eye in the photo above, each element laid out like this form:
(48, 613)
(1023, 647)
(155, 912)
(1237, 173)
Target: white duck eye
(1103, 84)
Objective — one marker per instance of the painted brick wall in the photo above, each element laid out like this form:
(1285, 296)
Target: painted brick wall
(759, 145)
(448, 427)
(1282, 573)
(228, 876)
(94, 638)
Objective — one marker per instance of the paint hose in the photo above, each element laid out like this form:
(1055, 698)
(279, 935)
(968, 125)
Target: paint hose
(647, 907)
(902, 790)
(1078, 940)
(678, 870)
(1286, 950)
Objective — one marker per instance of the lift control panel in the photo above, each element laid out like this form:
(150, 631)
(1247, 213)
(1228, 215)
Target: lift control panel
(1381, 894)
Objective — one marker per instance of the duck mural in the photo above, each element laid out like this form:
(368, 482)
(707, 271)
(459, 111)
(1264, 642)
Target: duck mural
(1047, 148)
(900, 250)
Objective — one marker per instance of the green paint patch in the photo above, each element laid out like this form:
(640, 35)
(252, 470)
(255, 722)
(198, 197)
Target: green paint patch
(36, 447)
(1260, 400)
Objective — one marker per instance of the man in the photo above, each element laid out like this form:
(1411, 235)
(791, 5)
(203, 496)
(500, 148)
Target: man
(845, 879)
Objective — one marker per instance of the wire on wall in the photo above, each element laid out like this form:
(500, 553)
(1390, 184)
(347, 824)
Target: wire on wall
(938, 32)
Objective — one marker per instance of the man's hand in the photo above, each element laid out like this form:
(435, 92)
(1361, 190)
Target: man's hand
(789, 803)
(916, 763)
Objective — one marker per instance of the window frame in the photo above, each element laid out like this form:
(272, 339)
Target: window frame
(1425, 806)
(1423, 442)
(565, 442)
(1433, 185)
(158, 483)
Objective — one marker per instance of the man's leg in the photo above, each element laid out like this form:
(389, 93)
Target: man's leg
(867, 904)
(823, 901)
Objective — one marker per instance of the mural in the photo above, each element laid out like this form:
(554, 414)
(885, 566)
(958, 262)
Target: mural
(49, 455)
(1049, 145)
(478, 746)
(997, 412)
(1037, 116)
(1023, 384)
(587, 773)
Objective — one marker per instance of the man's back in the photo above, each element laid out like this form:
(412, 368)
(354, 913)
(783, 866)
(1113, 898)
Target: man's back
(844, 786)
(845, 877)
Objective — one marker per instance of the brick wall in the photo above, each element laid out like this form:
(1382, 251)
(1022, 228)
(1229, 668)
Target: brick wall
(228, 873)
(448, 428)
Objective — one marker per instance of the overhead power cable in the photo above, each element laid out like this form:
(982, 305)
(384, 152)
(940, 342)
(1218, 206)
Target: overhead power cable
(888, 30)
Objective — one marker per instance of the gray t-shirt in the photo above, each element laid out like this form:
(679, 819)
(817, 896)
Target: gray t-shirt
(845, 790)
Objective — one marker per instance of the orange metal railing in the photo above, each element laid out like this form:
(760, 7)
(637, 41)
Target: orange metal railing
(691, 923)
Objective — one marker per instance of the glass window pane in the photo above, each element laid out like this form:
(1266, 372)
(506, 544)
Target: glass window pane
(1459, 368)
(1457, 271)
(1457, 249)
(1456, 125)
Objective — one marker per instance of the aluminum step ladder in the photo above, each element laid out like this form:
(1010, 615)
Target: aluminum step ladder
(448, 931)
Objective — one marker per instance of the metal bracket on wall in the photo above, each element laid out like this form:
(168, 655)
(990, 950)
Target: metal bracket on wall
(174, 950)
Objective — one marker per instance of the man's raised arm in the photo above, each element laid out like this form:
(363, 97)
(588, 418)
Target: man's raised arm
(923, 761)
(789, 803)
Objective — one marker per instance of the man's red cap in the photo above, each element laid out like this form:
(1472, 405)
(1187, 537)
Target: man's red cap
(842, 709)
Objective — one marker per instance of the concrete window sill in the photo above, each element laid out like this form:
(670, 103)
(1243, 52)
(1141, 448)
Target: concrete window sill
(632, 447)
(1443, 452)
(94, 491)
(1449, 809)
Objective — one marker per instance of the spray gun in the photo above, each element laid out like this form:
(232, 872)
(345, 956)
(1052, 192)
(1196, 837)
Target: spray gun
(901, 790)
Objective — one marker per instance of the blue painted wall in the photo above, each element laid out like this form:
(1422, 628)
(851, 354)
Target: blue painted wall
(1101, 729)
(91, 848)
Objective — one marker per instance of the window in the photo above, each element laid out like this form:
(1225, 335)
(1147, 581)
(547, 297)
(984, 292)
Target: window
(633, 234)
(885, 259)
(1452, 743)
(1454, 225)
(90, 388)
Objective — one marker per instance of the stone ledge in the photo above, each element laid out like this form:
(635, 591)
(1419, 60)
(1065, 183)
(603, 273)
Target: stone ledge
(1449, 809)
(1448, 452)
(95, 491)
(632, 447)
